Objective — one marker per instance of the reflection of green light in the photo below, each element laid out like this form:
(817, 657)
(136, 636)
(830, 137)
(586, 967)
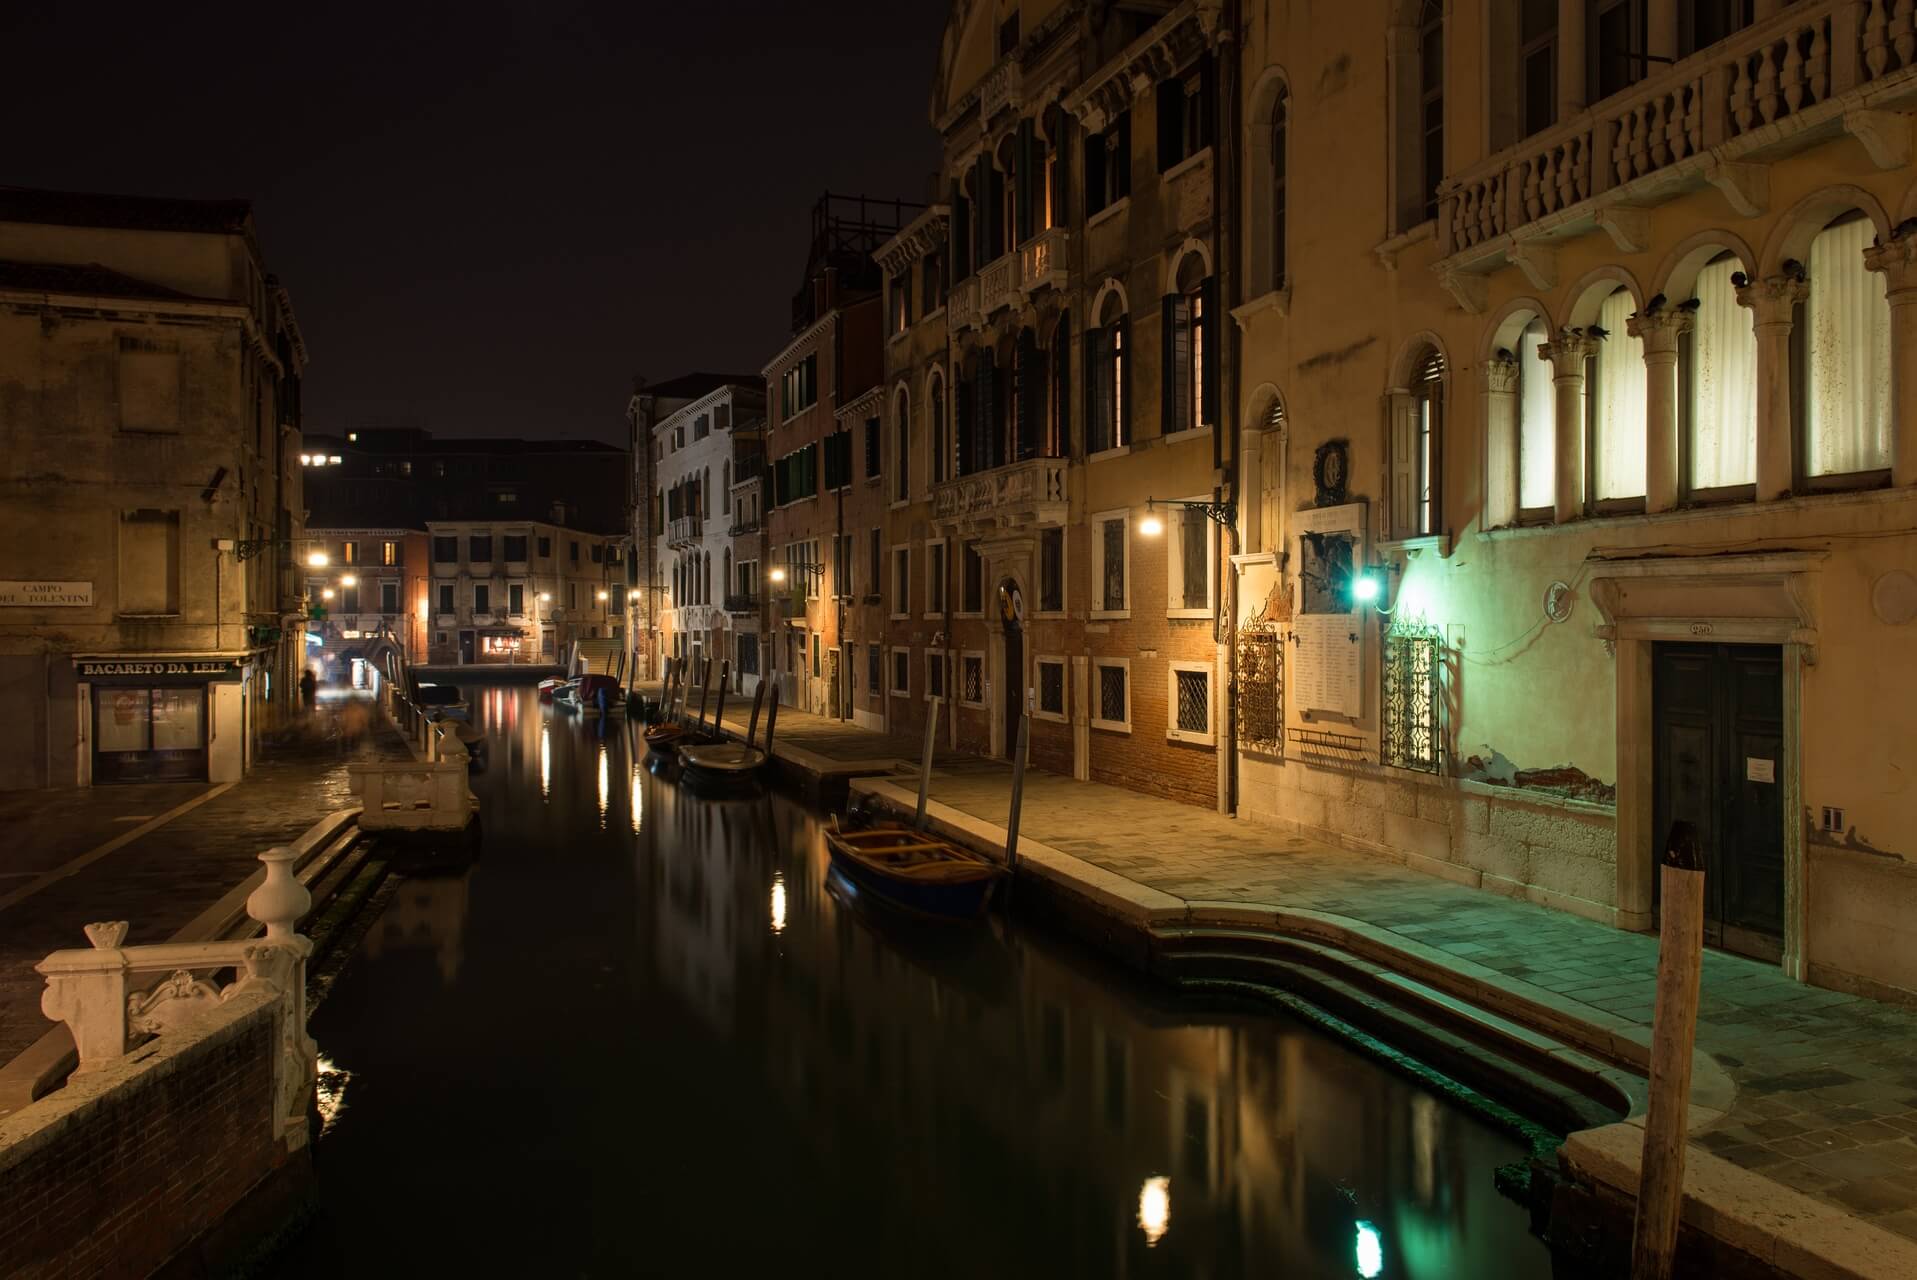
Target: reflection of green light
(1370, 1251)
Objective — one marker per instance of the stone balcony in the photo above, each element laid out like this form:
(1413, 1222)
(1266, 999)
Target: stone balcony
(1019, 495)
(1042, 260)
(742, 604)
(684, 531)
(961, 309)
(1815, 69)
(998, 284)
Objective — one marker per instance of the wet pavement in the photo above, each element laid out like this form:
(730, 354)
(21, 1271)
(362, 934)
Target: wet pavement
(648, 1034)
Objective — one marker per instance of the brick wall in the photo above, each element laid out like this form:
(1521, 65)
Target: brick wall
(121, 1169)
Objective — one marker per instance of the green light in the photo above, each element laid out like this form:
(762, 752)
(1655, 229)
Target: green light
(1364, 588)
(1370, 1251)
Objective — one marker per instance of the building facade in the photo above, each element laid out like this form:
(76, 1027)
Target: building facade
(151, 623)
(1579, 435)
(373, 585)
(509, 592)
(826, 499)
(702, 447)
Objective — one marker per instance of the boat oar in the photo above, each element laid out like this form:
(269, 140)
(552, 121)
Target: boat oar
(925, 767)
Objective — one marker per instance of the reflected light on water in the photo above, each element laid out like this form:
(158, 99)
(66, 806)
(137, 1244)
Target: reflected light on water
(778, 902)
(329, 1092)
(637, 805)
(605, 786)
(1370, 1251)
(1154, 1208)
(545, 761)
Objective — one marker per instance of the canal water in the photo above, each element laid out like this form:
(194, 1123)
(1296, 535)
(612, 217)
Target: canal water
(647, 1034)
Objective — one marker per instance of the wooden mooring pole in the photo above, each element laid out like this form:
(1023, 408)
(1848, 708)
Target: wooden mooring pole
(925, 766)
(1680, 961)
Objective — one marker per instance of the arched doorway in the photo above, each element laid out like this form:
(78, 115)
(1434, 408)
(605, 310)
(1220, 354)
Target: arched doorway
(1011, 614)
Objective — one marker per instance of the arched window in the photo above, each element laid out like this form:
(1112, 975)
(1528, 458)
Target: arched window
(1417, 435)
(1029, 386)
(1614, 407)
(726, 582)
(1537, 425)
(901, 446)
(941, 447)
(1280, 146)
(705, 587)
(1846, 356)
(1109, 374)
(1190, 387)
(1717, 386)
(1058, 412)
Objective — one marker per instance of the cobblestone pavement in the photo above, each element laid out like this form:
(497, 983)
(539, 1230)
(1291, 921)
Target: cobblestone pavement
(1826, 1083)
(164, 878)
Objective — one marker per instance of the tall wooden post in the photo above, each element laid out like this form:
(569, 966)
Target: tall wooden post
(1680, 960)
(1018, 783)
(925, 767)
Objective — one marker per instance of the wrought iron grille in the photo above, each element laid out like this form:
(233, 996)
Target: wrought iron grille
(1051, 687)
(1111, 694)
(1194, 701)
(973, 672)
(1261, 687)
(1413, 699)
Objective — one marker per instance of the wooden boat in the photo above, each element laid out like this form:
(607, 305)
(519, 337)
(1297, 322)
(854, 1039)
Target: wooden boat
(732, 763)
(915, 870)
(548, 688)
(670, 735)
(591, 696)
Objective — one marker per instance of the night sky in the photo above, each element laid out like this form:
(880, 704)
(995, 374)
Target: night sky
(491, 216)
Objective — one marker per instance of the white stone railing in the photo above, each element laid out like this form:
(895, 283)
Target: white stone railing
(684, 530)
(998, 284)
(102, 994)
(1774, 71)
(961, 309)
(1010, 491)
(1041, 260)
(432, 793)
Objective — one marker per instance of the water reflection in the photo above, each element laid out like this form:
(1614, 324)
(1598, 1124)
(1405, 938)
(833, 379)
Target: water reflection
(598, 1016)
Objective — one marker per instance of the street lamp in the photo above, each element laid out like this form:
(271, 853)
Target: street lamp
(348, 580)
(317, 560)
(1224, 513)
(815, 573)
(326, 593)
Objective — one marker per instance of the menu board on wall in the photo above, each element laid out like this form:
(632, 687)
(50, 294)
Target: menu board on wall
(1327, 675)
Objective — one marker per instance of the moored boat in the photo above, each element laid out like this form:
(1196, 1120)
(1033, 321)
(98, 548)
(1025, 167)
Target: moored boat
(548, 688)
(915, 870)
(731, 763)
(591, 696)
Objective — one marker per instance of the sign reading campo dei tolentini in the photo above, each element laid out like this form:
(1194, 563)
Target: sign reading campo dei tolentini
(46, 595)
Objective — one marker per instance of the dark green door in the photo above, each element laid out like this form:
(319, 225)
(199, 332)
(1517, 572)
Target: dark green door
(1718, 719)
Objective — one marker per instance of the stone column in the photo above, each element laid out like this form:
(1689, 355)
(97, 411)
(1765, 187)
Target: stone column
(1659, 332)
(1661, 35)
(1567, 353)
(1571, 88)
(1500, 374)
(1898, 261)
(1773, 302)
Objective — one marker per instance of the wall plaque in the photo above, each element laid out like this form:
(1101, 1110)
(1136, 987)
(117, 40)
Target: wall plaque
(46, 595)
(1329, 628)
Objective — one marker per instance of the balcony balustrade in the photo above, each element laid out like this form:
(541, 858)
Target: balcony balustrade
(961, 308)
(1042, 259)
(1021, 493)
(684, 531)
(1804, 71)
(998, 284)
(736, 603)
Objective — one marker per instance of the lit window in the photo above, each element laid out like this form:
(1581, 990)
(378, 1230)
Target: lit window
(1847, 354)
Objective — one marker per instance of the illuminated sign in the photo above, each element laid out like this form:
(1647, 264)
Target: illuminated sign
(196, 668)
(46, 595)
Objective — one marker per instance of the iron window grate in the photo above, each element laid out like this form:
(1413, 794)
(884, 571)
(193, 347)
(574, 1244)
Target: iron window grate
(1111, 694)
(1051, 688)
(1194, 701)
(1412, 700)
(974, 675)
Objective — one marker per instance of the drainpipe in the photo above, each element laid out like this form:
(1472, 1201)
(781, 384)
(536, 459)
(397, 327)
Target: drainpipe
(1225, 442)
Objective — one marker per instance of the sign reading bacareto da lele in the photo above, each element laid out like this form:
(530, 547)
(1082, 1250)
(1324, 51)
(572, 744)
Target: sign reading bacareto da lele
(46, 595)
(201, 668)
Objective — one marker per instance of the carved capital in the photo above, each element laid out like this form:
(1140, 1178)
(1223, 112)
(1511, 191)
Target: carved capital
(1500, 374)
(1659, 330)
(1773, 299)
(1567, 352)
(1897, 259)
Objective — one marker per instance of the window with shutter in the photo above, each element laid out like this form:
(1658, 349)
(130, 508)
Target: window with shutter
(1416, 428)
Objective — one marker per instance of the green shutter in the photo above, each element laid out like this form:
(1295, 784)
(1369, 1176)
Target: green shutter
(1214, 347)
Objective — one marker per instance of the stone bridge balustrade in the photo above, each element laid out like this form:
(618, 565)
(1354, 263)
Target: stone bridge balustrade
(104, 995)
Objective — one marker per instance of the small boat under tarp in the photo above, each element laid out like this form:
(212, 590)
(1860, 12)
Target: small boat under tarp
(592, 696)
(915, 870)
(732, 763)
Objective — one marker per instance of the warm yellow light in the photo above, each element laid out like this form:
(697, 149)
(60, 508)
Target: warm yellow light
(1154, 1209)
(1151, 526)
(545, 597)
(545, 761)
(348, 580)
(602, 595)
(605, 780)
(425, 607)
(778, 902)
(317, 560)
(777, 575)
(326, 593)
(306, 459)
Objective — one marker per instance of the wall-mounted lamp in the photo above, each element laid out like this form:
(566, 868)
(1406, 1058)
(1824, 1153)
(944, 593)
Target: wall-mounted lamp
(1225, 513)
(348, 580)
(317, 560)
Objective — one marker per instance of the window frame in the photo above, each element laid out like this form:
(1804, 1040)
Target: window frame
(939, 580)
(1064, 572)
(1173, 733)
(1098, 522)
(937, 660)
(893, 688)
(1688, 493)
(1175, 565)
(984, 700)
(901, 579)
(1595, 506)
(1064, 664)
(1802, 481)
(1097, 698)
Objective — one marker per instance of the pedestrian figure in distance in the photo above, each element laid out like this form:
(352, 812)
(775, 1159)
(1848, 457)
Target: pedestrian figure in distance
(309, 689)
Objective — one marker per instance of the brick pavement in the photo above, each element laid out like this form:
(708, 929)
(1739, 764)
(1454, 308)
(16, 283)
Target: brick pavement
(1826, 1083)
(161, 880)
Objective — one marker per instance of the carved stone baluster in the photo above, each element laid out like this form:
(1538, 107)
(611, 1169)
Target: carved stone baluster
(1903, 31)
(1818, 70)
(1658, 111)
(1792, 77)
(1770, 103)
(1876, 39)
(1742, 110)
(1533, 189)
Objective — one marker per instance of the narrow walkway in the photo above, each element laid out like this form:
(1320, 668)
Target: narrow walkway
(162, 879)
(1826, 1083)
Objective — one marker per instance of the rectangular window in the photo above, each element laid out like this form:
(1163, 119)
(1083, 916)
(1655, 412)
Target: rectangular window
(1190, 698)
(1717, 369)
(149, 389)
(1108, 165)
(1615, 401)
(482, 598)
(572, 595)
(902, 450)
(844, 579)
(972, 599)
(445, 550)
(748, 658)
(1051, 570)
(901, 581)
(701, 426)
(390, 554)
(389, 597)
(479, 548)
(799, 386)
(516, 599)
(935, 578)
(545, 548)
(876, 578)
(838, 460)
(934, 673)
(1109, 427)
(1110, 568)
(1616, 38)
(349, 553)
(1188, 564)
(149, 562)
(349, 599)
(1538, 64)
(1051, 689)
(818, 656)
(874, 665)
(1537, 425)
(598, 553)
(1184, 117)
(1114, 692)
(446, 597)
(902, 671)
(871, 448)
(1847, 384)
(972, 679)
(931, 284)
(515, 548)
